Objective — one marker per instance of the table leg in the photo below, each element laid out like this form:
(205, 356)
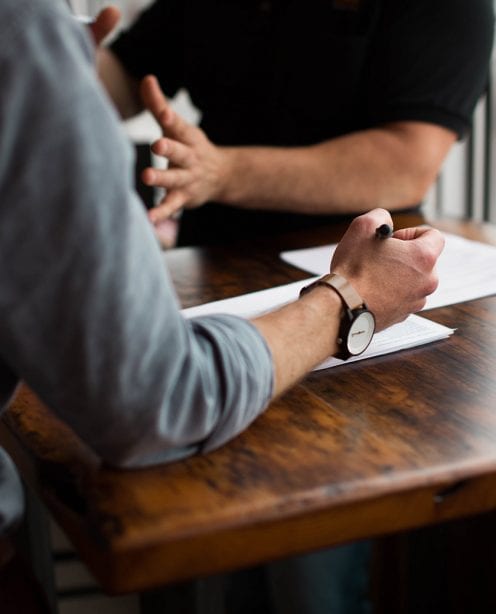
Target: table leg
(444, 569)
(204, 596)
(33, 542)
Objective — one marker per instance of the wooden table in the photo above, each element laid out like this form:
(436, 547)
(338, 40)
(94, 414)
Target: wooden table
(368, 449)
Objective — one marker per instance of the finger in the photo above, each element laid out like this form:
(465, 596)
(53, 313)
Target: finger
(431, 239)
(170, 178)
(427, 237)
(156, 102)
(173, 202)
(367, 223)
(408, 234)
(177, 153)
(106, 21)
(154, 98)
(166, 232)
(177, 128)
(414, 232)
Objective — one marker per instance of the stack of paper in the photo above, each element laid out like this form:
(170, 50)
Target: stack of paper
(412, 332)
(466, 271)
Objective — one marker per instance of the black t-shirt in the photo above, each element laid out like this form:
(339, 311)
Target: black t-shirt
(296, 72)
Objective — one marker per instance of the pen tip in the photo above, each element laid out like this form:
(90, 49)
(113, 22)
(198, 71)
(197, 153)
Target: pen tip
(384, 231)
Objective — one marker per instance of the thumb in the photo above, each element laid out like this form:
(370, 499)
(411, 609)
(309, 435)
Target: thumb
(105, 22)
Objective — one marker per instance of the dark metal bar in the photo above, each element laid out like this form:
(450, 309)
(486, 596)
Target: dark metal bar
(469, 176)
(33, 540)
(488, 150)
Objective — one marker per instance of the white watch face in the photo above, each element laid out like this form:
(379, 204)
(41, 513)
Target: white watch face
(361, 333)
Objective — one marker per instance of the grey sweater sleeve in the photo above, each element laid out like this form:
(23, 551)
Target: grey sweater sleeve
(88, 317)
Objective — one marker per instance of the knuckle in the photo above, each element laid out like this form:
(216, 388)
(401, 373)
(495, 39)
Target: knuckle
(360, 224)
(431, 258)
(190, 159)
(420, 304)
(426, 257)
(432, 284)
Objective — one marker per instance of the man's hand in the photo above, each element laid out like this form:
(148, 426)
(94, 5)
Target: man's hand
(393, 276)
(196, 166)
(104, 24)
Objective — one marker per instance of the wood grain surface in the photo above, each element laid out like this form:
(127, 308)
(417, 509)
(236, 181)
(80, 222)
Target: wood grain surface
(366, 449)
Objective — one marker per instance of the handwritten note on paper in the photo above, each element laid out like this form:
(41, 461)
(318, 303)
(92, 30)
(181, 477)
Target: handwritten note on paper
(466, 269)
(413, 332)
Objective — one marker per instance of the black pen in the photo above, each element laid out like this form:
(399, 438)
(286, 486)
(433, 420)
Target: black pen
(384, 231)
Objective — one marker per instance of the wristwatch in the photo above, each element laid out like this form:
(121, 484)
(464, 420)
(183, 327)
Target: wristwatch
(357, 323)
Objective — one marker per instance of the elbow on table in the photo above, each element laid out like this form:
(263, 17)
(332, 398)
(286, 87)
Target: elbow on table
(134, 454)
(141, 434)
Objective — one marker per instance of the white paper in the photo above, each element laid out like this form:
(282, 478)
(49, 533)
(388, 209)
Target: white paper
(252, 304)
(412, 332)
(466, 269)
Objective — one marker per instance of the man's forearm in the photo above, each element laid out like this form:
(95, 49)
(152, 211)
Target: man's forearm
(391, 167)
(301, 335)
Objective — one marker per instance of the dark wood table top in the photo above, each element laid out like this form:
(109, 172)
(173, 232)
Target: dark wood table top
(366, 449)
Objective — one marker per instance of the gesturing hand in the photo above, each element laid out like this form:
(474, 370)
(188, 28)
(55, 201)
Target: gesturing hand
(196, 166)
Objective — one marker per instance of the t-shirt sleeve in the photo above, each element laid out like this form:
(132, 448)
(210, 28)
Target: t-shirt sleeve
(429, 62)
(88, 316)
(154, 45)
